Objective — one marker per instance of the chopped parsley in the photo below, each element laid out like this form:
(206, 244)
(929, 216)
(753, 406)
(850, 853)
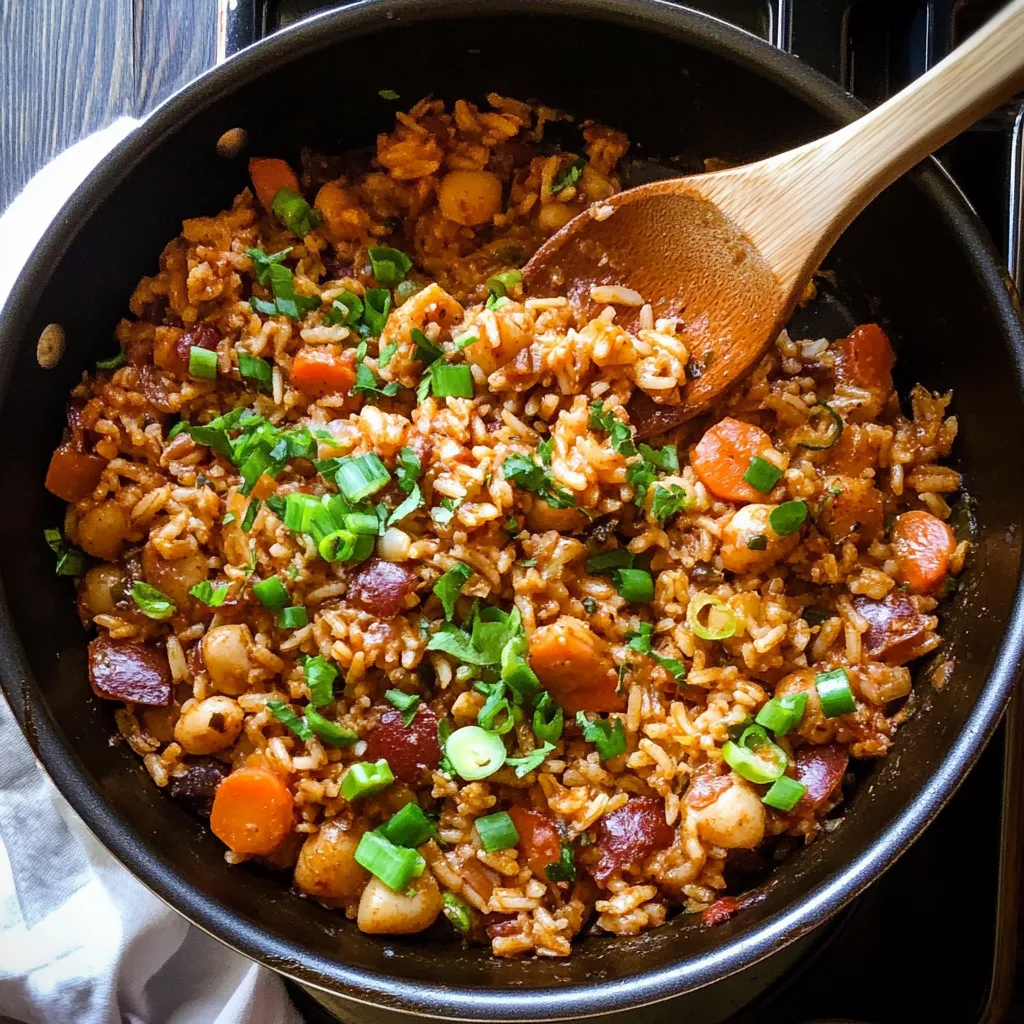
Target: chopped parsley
(526, 474)
(609, 736)
(528, 762)
(620, 432)
(449, 586)
(568, 177)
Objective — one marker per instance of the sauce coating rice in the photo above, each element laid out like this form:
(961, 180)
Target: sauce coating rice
(391, 589)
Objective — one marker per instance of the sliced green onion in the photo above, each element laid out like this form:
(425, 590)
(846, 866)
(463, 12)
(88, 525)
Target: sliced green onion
(754, 757)
(362, 522)
(153, 603)
(785, 793)
(606, 561)
(635, 585)
(347, 308)
(202, 362)
(497, 832)
(496, 714)
(407, 703)
(782, 714)
(330, 732)
(295, 506)
(271, 593)
(548, 719)
(290, 719)
(294, 212)
(408, 827)
(114, 362)
(250, 514)
(834, 428)
(365, 778)
(337, 546)
(255, 369)
(788, 517)
(465, 340)
(293, 617)
(475, 753)
(458, 913)
(762, 475)
(719, 609)
(450, 585)
(395, 866)
(449, 381)
(758, 543)
(499, 285)
(376, 305)
(389, 265)
(360, 476)
(835, 693)
(320, 675)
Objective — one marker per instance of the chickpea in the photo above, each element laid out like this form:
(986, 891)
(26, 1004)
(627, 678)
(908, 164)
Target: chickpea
(102, 530)
(394, 545)
(469, 197)
(382, 911)
(814, 726)
(542, 517)
(226, 656)
(595, 185)
(553, 216)
(327, 867)
(736, 818)
(174, 577)
(102, 588)
(206, 726)
(747, 523)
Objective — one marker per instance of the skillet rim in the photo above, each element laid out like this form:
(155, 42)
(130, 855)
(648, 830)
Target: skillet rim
(435, 1000)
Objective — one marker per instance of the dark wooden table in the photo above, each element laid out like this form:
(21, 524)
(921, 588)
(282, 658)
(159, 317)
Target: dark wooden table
(70, 67)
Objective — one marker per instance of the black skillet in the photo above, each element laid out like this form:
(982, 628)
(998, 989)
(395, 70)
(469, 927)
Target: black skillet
(679, 83)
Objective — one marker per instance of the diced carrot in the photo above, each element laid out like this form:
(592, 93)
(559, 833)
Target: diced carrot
(722, 456)
(923, 546)
(252, 811)
(576, 665)
(538, 838)
(269, 176)
(265, 487)
(72, 474)
(321, 371)
(865, 359)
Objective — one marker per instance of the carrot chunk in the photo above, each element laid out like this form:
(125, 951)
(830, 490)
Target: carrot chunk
(865, 359)
(319, 371)
(538, 838)
(252, 811)
(923, 546)
(72, 474)
(722, 456)
(576, 665)
(269, 176)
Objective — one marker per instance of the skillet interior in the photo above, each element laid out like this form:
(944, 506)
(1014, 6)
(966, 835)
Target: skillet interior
(914, 259)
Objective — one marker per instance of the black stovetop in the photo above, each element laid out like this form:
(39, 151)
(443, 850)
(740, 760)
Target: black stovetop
(936, 937)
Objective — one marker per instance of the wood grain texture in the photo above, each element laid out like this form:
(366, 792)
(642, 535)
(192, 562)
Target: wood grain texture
(70, 67)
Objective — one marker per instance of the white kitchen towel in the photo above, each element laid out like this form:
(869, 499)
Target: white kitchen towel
(80, 939)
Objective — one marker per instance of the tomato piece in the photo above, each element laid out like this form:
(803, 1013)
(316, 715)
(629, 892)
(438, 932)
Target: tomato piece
(252, 811)
(538, 839)
(269, 176)
(320, 371)
(72, 475)
(865, 358)
(722, 456)
(576, 665)
(923, 546)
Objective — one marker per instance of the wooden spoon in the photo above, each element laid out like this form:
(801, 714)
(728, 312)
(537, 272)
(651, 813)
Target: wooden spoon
(731, 252)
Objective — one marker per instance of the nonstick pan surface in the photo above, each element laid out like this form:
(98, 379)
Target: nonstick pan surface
(679, 83)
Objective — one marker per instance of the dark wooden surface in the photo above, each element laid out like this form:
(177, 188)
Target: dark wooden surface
(70, 67)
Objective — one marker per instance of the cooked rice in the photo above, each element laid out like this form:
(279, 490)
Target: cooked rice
(157, 514)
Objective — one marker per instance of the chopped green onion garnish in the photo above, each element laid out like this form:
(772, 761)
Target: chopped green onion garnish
(389, 265)
(782, 714)
(785, 793)
(211, 596)
(320, 675)
(762, 475)
(360, 476)
(788, 517)
(497, 832)
(337, 546)
(499, 285)
(833, 429)
(365, 778)
(202, 362)
(407, 703)
(408, 469)
(450, 585)
(465, 340)
(458, 913)
(294, 212)
(754, 757)
(635, 585)
(271, 593)
(255, 369)
(606, 561)
(114, 362)
(496, 714)
(608, 736)
(413, 501)
(408, 827)
(475, 753)
(153, 603)
(293, 617)
(449, 381)
(835, 693)
(548, 719)
(330, 732)
(250, 514)
(720, 611)
(395, 866)
(290, 719)
(346, 309)
(376, 305)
